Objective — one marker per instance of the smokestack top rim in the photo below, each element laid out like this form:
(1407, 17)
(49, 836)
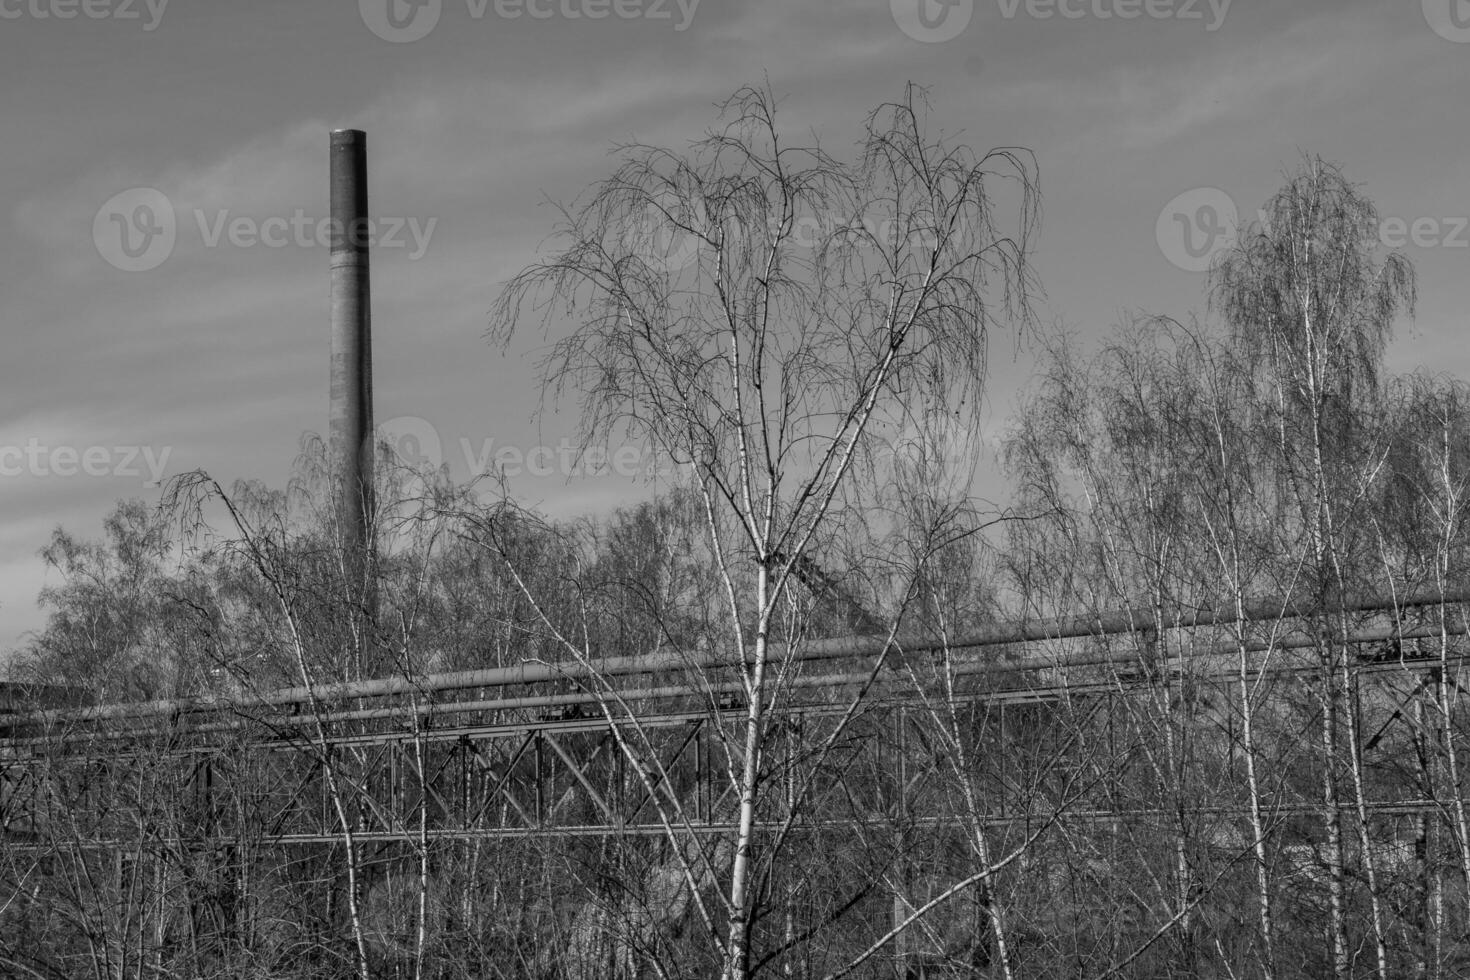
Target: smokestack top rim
(348, 135)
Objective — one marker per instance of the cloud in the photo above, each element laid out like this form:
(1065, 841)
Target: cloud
(1183, 90)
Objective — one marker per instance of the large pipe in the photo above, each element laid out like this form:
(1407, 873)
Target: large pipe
(1126, 620)
(1226, 655)
(350, 418)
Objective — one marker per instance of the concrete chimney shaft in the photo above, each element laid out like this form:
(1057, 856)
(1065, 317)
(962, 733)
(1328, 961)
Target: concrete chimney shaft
(350, 419)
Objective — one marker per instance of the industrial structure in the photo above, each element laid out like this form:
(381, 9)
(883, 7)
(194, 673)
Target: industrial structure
(533, 749)
(638, 746)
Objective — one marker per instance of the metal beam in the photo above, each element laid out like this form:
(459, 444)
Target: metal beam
(966, 667)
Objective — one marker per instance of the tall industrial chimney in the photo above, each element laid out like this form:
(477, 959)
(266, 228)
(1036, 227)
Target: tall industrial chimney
(350, 419)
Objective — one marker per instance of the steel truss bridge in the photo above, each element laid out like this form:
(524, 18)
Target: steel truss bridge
(643, 745)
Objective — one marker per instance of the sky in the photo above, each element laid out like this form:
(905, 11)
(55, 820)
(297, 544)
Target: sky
(163, 165)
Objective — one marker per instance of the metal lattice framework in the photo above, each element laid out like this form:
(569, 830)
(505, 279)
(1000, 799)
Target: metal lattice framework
(641, 745)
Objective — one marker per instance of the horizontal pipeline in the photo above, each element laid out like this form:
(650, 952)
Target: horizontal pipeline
(1173, 666)
(1126, 620)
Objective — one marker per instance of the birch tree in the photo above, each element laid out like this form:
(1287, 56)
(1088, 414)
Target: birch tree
(751, 311)
(1311, 303)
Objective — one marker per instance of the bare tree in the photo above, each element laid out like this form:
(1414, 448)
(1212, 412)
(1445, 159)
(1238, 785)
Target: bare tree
(712, 326)
(1310, 302)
